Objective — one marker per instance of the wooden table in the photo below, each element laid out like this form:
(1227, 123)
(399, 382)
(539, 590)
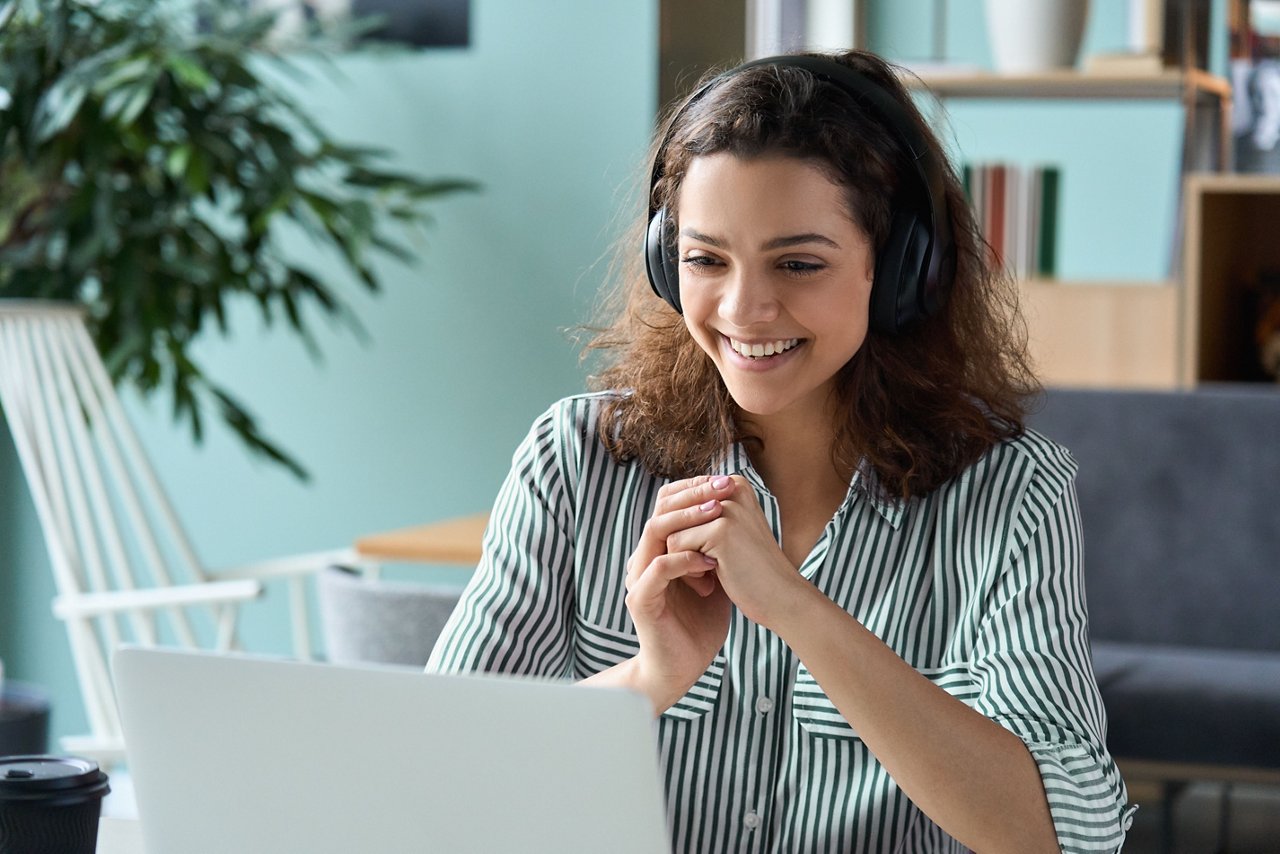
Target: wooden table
(450, 541)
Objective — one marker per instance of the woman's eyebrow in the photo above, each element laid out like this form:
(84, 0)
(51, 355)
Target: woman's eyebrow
(798, 239)
(775, 243)
(702, 238)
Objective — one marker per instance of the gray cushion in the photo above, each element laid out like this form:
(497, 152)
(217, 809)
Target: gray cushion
(1180, 502)
(1180, 704)
(388, 622)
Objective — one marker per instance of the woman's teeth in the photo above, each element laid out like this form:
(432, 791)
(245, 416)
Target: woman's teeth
(758, 351)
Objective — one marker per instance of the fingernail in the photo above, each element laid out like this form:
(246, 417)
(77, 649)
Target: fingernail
(709, 506)
(720, 482)
(709, 561)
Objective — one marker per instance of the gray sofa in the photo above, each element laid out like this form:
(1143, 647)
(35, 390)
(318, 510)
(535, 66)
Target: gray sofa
(1180, 500)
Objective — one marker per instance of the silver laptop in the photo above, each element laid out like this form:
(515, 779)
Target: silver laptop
(234, 753)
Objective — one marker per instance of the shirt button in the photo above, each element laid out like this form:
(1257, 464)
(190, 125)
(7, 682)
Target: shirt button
(764, 705)
(752, 821)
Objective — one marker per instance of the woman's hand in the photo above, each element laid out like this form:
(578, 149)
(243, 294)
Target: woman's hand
(751, 568)
(680, 612)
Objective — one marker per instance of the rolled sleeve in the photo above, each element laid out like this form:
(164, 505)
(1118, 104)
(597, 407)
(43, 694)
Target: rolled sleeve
(514, 615)
(1086, 796)
(1033, 667)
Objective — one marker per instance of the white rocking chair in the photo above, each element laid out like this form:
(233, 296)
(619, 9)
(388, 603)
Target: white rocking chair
(124, 569)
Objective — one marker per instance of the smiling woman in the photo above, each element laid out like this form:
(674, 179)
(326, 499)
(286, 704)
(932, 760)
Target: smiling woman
(802, 514)
(775, 281)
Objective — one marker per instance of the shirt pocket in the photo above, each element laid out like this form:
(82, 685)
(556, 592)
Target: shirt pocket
(599, 648)
(702, 697)
(818, 716)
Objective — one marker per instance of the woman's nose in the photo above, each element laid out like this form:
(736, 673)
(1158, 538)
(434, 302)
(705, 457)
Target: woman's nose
(748, 299)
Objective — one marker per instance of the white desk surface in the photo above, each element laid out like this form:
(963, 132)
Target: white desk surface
(119, 836)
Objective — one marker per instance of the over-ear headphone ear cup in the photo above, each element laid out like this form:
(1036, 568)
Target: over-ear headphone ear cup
(897, 291)
(660, 260)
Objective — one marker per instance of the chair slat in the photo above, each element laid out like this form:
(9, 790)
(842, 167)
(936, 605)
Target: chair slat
(95, 527)
(125, 489)
(136, 460)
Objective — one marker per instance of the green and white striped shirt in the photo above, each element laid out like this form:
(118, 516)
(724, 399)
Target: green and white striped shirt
(977, 585)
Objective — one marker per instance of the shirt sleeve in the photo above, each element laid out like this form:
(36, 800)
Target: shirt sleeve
(1035, 675)
(514, 615)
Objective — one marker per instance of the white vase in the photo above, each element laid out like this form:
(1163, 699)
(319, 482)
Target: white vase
(1035, 35)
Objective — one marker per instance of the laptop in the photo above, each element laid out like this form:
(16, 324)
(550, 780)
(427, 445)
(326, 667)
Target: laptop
(260, 756)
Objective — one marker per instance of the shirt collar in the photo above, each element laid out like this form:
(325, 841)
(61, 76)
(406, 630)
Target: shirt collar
(867, 484)
(863, 485)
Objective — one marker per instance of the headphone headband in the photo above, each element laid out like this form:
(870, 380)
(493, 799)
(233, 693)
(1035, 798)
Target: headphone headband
(915, 265)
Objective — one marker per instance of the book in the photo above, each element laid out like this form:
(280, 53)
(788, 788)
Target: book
(1016, 210)
(1047, 264)
(999, 172)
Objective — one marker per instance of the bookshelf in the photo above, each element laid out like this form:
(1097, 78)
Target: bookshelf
(1230, 225)
(1114, 334)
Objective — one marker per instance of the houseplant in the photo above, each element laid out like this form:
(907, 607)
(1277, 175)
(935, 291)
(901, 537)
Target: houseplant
(148, 167)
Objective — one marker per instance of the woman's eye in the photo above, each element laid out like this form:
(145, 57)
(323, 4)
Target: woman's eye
(698, 262)
(800, 267)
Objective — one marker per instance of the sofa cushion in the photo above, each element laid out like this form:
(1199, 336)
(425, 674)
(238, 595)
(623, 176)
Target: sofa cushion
(1179, 704)
(1178, 500)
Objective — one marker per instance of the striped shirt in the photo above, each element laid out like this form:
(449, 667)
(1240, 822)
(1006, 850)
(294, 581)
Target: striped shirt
(977, 585)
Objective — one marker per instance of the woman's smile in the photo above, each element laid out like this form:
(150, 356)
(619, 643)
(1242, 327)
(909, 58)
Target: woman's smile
(760, 356)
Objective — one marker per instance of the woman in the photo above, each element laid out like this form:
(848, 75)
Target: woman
(802, 515)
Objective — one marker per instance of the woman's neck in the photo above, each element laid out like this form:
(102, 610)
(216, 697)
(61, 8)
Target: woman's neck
(794, 457)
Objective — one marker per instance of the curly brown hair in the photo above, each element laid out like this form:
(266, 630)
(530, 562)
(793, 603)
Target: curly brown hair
(919, 406)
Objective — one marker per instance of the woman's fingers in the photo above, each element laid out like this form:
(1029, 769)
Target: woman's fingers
(659, 528)
(704, 584)
(680, 504)
(691, 492)
(653, 540)
(691, 506)
(649, 586)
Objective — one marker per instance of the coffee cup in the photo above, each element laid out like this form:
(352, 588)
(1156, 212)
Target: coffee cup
(50, 804)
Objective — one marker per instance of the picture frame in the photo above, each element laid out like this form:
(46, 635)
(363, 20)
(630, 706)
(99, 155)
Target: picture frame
(417, 23)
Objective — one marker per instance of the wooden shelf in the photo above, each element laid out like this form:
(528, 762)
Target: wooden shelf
(1230, 225)
(1167, 85)
(1103, 334)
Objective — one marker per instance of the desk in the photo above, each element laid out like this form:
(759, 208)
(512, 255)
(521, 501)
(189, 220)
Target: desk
(119, 836)
(451, 541)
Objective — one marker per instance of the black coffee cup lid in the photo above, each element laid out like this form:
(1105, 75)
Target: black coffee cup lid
(50, 779)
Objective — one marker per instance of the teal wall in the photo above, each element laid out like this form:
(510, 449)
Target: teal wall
(550, 108)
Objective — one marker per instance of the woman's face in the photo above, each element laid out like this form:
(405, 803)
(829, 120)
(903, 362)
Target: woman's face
(775, 278)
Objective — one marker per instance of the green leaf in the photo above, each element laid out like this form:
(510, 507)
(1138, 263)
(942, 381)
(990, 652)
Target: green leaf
(129, 72)
(176, 164)
(197, 175)
(119, 356)
(395, 250)
(56, 110)
(243, 424)
(189, 72)
(7, 11)
(125, 104)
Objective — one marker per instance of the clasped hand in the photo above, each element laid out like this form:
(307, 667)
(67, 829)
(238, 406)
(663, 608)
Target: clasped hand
(706, 547)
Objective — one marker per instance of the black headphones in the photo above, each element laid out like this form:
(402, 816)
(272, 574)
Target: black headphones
(915, 267)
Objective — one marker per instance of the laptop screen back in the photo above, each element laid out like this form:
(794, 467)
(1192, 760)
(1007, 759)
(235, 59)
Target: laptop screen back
(233, 753)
